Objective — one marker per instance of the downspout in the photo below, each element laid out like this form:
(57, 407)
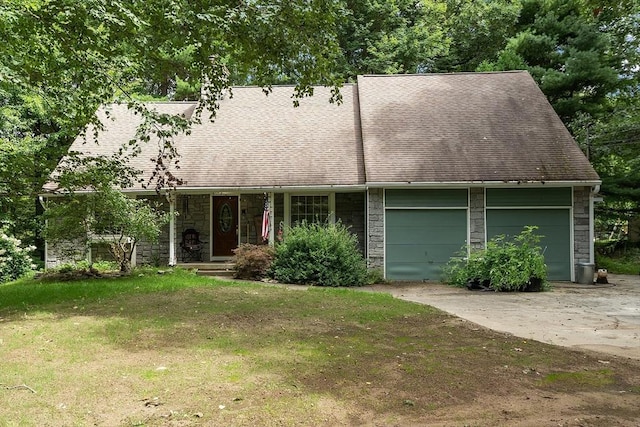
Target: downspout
(172, 229)
(594, 190)
(367, 225)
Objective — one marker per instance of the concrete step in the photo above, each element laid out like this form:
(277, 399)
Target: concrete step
(219, 269)
(216, 273)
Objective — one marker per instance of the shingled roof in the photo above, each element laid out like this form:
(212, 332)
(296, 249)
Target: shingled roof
(464, 127)
(263, 141)
(425, 129)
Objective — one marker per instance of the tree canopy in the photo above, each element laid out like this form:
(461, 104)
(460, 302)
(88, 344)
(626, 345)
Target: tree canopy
(64, 58)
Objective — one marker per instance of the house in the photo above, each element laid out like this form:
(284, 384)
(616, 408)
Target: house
(416, 165)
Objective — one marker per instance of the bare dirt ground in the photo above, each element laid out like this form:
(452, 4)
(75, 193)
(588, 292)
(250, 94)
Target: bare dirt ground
(600, 317)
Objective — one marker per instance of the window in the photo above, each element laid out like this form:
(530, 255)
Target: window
(309, 208)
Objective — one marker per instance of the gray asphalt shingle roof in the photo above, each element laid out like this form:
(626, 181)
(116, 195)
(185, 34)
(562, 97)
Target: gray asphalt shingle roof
(464, 127)
(433, 128)
(259, 140)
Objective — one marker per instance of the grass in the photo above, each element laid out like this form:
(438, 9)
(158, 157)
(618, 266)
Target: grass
(155, 349)
(621, 261)
(586, 379)
(619, 265)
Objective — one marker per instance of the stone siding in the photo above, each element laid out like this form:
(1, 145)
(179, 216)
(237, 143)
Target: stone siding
(581, 233)
(375, 230)
(476, 218)
(64, 252)
(194, 211)
(350, 210)
(156, 254)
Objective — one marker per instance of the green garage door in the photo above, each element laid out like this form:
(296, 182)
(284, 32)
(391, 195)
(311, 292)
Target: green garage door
(553, 223)
(420, 241)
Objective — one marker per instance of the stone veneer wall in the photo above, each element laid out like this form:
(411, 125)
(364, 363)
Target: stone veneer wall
(155, 253)
(194, 211)
(64, 253)
(375, 229)
(476, 217)
(581, 234)
(350, 209)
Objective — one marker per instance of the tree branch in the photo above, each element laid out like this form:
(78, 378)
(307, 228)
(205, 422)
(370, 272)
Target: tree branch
(23, 386)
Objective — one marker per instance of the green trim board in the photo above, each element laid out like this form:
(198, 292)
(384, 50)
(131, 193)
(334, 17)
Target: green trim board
(419, 242)
(427, 198)
(529, 197)
(553, 224)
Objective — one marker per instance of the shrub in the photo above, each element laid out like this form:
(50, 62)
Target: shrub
(319, 254)
(467, 266)
(81, 270)
(252, 261)
(375, 276)
(504, 265)
(15, 261)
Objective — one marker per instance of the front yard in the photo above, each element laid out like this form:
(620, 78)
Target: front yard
(176, 349)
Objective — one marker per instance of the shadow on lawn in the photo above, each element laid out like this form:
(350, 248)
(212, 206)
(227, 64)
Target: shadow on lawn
(361, 346)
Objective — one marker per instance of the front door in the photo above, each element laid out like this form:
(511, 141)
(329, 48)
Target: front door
(225, 225)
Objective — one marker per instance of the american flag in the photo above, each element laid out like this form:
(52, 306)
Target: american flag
(265, 221)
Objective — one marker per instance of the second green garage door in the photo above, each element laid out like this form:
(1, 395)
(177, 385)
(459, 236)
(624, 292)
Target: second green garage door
(510, 210)
(423, 230)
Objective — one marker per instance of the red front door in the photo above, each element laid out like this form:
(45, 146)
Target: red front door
(225, 225)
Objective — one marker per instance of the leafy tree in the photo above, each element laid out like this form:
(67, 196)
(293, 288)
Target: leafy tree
(612, 140)
(27, 153)
(93, 209)
(566, 52)
(15, 261)
(477, 31)
(391, 36)
(64, 58)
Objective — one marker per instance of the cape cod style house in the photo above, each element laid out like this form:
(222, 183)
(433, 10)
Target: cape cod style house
(416, 165)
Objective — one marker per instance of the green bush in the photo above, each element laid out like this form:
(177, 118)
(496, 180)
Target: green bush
(252, 261)
(81, 270)
(625, 259)
(464, 268)
(504, 265)
(319, 254)
(15, 261)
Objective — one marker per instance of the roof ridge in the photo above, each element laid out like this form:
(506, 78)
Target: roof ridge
(462, 73)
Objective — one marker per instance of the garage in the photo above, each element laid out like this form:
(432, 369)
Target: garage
(510, 210)
(423, 230)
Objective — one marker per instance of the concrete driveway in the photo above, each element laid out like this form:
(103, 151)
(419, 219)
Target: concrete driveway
(603, 318)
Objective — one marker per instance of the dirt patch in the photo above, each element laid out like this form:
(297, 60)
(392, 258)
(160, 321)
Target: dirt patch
(603, 318)
(233, 355)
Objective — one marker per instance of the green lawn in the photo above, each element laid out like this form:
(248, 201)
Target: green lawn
(178, 349)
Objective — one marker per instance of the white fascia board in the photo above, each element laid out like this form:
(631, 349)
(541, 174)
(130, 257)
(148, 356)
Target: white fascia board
(467, 184)
(258, 189)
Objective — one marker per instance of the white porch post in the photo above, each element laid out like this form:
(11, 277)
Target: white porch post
(172, 229)
(272, 227)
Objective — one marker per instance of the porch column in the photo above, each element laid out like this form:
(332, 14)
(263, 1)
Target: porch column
(172, 229)
(272, 227)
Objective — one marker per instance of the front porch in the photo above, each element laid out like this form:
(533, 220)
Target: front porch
(223, 221)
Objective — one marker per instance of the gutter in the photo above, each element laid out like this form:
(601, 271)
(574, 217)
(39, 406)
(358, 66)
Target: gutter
(595, 185)
(465, 184)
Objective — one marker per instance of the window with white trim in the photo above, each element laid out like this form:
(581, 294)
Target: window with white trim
(309, 208)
